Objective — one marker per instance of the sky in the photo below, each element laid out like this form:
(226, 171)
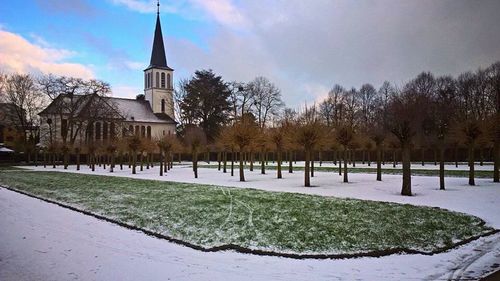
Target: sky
(304, 47)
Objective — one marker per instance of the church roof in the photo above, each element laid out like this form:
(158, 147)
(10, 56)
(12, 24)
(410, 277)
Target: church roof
(134, 110)
(129, 110)
(158, 57)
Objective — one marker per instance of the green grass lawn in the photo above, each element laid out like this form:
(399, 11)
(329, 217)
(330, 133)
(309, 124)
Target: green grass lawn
(415, 172)
(211, 216)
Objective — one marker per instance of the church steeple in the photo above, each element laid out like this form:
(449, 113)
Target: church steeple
(158, 58)
(158, 77)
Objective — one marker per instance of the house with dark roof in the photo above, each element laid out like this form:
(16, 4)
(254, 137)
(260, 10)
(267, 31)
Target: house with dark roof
(98, 118)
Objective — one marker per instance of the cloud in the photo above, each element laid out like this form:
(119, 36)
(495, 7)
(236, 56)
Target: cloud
(307, 46)
(19, 55)
(223, 11)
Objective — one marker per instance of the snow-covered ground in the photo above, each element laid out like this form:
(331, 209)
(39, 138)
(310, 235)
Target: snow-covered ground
(487, 166)
(44, 241)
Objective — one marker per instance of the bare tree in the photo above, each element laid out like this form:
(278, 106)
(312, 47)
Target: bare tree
(267, 99)
(195, 139)
(345, 136)
(471, 115)
(405, 118)
(243, 133)
(25, 100)
(443, 113)
(367, 103)
(307, 134)
(494, 97)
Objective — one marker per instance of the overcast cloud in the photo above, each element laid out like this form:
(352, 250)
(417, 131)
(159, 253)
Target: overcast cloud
(307, 46)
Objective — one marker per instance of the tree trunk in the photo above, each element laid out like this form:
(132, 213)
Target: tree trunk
(252, 159)
(379, 166)
(481, 156)
(422, 156)
(78, 161)
(195, 164)
(435, 156)
(405, 159)
(112, 164)
(142, 161)
(320, 156)
(66, 159)
(232, 162)
(166, 161)
(368, 158)
(307, 178)
(441, 166)
(161, 162)
(471, 164)
(262, 163)
(345, 166)
(219, 161)
(456, 156)
(242, 171)
(278, 156)
(394, 158)
(224, 166)
(340, 162)
(44, 159)
(312, 164)
(363, 156)
(496, 161)
(134, 162)
(290, 162)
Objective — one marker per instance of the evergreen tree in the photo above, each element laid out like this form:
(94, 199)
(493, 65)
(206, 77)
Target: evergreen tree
(206, 102)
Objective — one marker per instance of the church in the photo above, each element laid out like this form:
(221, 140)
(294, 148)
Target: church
(150, 117)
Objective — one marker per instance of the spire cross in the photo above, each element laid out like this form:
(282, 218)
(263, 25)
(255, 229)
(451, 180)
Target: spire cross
(158, 5)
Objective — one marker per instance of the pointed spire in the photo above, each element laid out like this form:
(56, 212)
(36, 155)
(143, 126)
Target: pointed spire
(158, 58)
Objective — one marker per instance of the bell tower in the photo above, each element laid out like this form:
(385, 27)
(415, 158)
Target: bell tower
(158, 77)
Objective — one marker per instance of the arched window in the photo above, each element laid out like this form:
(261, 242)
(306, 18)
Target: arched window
(105, 131)
(130, 130)
(149, 80)
(157, 82)
(124, 132)
(97, 131)
(148, 132)
(143, 131)
(163, 106)
(112, 131)
(163, 79)
(145, 80)
(169, 81)
(90, 132)
(137, 128)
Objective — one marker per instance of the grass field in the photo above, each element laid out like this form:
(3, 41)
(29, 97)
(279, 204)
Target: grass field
(211, 216)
